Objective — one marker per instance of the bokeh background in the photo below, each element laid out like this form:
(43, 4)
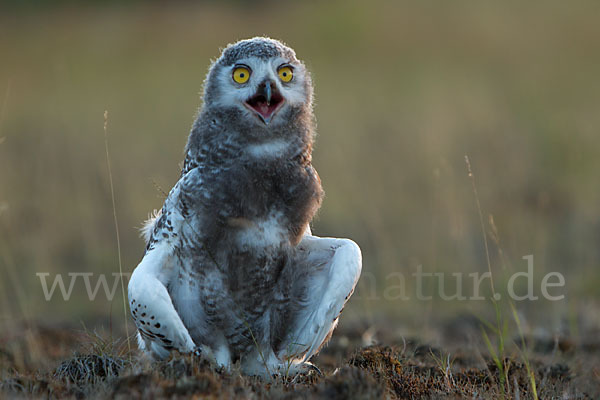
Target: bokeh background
(404, 90)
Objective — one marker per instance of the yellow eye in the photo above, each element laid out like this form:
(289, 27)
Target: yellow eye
(286, 74)
(241, 74)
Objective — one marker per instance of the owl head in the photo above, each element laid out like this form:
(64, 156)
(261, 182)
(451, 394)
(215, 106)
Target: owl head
(259, 82)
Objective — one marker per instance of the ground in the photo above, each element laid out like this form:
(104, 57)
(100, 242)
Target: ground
(358, 363)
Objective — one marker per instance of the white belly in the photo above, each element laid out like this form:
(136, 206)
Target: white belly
(263, 233)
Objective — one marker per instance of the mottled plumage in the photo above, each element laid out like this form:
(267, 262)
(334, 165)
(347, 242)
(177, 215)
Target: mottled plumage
(231, 269)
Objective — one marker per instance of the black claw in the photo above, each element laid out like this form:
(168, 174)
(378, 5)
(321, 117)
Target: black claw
(314, 368)
(198, 352)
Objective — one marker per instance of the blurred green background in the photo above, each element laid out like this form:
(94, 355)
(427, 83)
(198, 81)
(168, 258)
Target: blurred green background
(404, 90)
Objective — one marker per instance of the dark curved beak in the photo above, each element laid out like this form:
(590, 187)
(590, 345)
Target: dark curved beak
(266, 90)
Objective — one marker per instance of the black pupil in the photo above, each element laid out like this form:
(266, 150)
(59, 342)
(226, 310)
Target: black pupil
(241, 75)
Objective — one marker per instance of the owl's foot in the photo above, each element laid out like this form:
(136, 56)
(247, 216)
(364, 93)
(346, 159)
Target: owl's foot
(296, 369)
(312, 368)
(305, 368)
(218, 360)
(203, 356)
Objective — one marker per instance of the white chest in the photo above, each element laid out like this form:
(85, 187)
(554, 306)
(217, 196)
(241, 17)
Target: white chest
(274, 148)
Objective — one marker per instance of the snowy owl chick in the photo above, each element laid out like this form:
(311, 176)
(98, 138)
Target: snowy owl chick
(231, 269)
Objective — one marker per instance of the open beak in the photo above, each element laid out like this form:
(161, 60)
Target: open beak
(266, 101)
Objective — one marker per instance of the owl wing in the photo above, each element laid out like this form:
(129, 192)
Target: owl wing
(331, 268)
(160, 328)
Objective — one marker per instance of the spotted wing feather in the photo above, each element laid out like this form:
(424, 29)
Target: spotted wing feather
(160, 327)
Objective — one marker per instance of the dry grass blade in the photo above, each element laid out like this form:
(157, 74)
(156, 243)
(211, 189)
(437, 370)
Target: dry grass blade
(485, 241)
(500, 328)
(523, 350)
(112, 194)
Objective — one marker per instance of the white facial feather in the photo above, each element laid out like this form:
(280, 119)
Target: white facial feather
(236, 94)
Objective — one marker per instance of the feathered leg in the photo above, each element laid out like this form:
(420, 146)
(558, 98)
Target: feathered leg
(323, 277)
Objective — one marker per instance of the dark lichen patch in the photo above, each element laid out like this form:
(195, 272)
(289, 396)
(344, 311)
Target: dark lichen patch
(349, 383)
(382, 361)
(89, 368)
